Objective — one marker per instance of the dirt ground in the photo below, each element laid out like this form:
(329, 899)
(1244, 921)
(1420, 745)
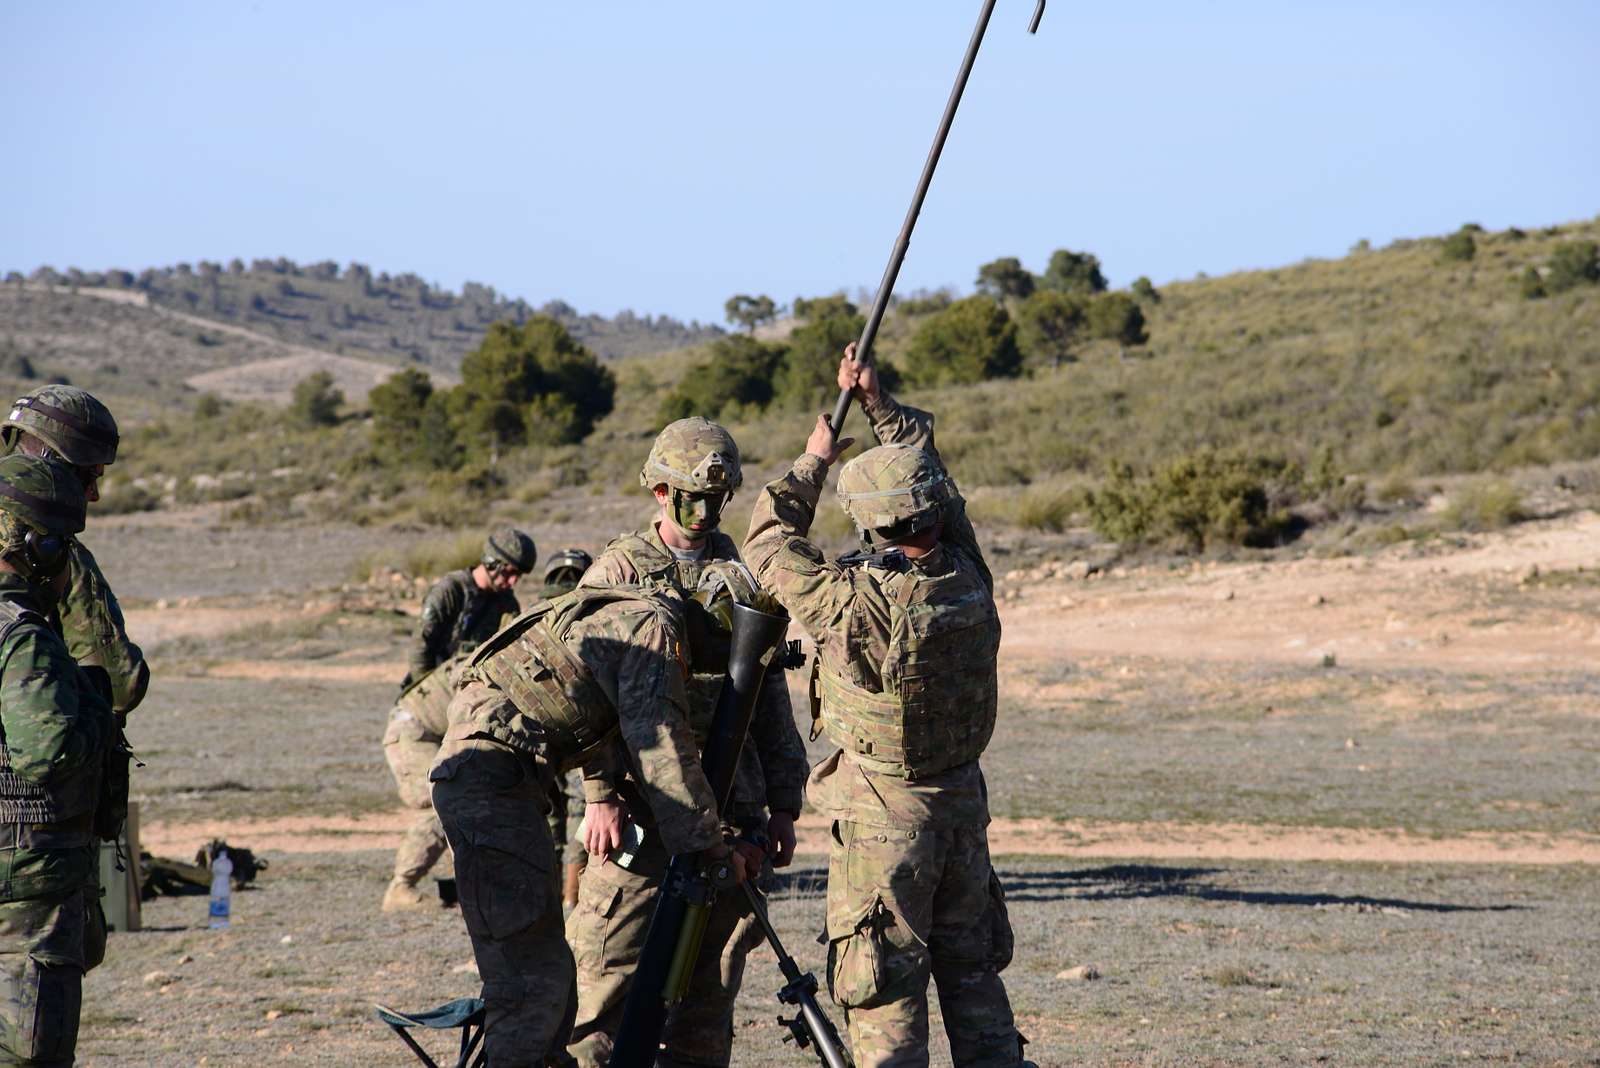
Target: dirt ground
(1288, 811)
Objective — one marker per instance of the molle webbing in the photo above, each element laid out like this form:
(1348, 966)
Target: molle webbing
(937, 706)
(546, 681)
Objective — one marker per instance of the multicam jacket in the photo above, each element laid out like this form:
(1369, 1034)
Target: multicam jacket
(772, 767)
(856, 613)
(573, 673)
(456, 616)
(97, 638)
(55, 732)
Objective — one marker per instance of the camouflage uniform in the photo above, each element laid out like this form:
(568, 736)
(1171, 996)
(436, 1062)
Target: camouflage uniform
(904, 684)
(82, 431)
(56, 733)
(607, 929)
(560, 681)
(561, 575)
(457, 616)
(410, 744)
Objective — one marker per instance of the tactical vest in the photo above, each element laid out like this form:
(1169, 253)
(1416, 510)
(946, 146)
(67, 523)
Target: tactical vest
(936, 709)
(562, 711)
(25, 802)
(652, 564)
(428, 699)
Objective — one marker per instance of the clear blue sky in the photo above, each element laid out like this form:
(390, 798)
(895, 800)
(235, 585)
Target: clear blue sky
(662, 156)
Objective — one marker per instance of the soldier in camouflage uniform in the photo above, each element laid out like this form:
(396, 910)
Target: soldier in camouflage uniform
(692, 469)
(464, 607)
(461, 610)
(904, 685)
(68, 424)
(57, 737)
(564, 679)
(561, 575)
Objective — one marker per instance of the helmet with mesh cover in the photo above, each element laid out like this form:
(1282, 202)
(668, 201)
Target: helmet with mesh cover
(75, 425)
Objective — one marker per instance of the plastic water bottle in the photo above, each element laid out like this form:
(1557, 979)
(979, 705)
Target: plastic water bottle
(221, 889)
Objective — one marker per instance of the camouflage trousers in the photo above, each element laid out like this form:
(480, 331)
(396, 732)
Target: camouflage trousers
(46, 946)
(905, 905)
(493, 803)
(411, 751)
(607, 932)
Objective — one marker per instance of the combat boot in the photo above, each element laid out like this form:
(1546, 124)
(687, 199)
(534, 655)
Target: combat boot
(402, 895)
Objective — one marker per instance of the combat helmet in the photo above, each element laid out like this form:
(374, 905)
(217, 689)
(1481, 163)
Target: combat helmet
(893, 491)
(694, 455)
(42, 505)
(510, 547)
(69, 420)
(567, 564)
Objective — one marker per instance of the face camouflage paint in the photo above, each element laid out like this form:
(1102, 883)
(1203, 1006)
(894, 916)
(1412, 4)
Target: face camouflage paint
(698, 514)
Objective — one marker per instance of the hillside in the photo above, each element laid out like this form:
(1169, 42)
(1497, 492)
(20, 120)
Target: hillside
(1385, 364)
(353, 311)
(1354, 387)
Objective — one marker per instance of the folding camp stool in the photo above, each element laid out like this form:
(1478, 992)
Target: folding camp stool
(465, 1013)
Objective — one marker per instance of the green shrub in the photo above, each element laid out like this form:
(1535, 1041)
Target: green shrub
(1531, 284)
(315, 401)
(1573, 263)
(1198, 500)
(1049, 325)
(1487, 504)
(739, 371)
(531, 382)
(1117, 317)
(209, 406)
(1458, 247)
(809, 371)
(1073, 272)
(1047, 510)
(970, 341)
(1005, 278)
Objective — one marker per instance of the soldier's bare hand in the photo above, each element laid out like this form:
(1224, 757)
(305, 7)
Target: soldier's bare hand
(602, 827)
(859, 378)
(822, 445)
(780, 839)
